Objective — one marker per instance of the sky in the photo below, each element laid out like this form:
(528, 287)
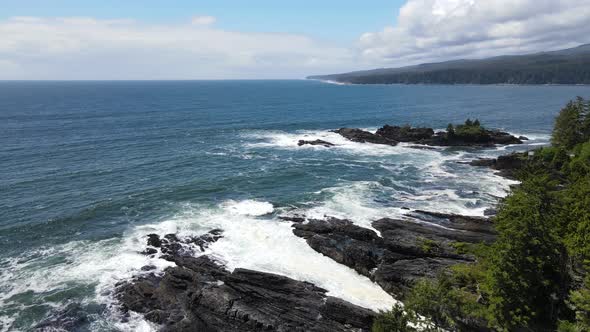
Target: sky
(262, 39)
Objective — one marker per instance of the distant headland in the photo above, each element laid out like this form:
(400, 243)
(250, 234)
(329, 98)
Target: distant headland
(569, 66)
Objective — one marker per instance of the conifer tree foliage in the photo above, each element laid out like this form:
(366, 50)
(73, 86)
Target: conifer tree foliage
(536, 275)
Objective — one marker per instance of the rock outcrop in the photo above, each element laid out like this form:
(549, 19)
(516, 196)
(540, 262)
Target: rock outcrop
(405, 134)
(405, 251)
(361, 136)
(200, 295)
(315, 142)
(507, 165)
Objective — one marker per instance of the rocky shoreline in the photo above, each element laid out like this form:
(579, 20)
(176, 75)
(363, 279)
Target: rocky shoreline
(200, 294)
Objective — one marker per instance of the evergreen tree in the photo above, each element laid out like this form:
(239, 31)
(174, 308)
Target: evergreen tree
(568, 129)
(451, 130)
(526, 263)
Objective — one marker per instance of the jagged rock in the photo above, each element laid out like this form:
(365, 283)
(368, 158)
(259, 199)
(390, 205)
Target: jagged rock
(170, 244)
(297, 218)
(507, 165)
(483, 162)
(198, 294)
(361, 136)
(523, 138)
(406, 250)
(316, 142)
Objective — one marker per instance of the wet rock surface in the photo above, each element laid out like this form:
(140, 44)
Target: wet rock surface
(198, 294)
(507, 165)
(405, 251)
(315, 142)
(361, 136)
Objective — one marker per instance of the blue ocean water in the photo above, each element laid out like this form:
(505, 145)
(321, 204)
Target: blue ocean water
(87, 169)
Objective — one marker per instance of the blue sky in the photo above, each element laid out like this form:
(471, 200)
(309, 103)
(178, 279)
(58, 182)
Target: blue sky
(262, 39)
(338, 20)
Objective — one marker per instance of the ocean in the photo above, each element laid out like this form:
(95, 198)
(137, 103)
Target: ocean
(88, 169)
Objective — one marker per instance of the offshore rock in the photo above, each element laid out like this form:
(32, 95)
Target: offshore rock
(361, 136)
(316, 142)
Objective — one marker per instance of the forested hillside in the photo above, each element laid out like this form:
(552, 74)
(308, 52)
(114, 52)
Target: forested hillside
(571, 66)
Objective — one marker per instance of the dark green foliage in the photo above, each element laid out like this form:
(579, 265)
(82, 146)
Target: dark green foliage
(534, 276)
(526, 270)
(471, 131)
(395, 320)
(442, 302)
(450, 129)
(428, 246)
(580, 301)
(569, 125)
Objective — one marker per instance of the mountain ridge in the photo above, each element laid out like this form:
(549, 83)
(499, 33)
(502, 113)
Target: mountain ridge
(567, 66)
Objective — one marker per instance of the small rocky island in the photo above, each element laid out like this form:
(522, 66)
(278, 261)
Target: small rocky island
(471, 133)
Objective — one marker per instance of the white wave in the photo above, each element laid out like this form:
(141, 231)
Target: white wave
(269, 245)
(78, 264)
(248, 207)
(288, 141)
(333, 82)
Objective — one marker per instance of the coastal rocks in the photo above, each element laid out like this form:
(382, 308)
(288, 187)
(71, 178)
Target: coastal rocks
(406, 250)
(198, 294)
(361, 136)
(170, 244)
(316, 142)
(507, 165)
(405, 134)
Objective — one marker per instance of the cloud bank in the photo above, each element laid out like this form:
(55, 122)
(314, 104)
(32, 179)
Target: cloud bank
(425, 31)
(434, 30)
(88, 48)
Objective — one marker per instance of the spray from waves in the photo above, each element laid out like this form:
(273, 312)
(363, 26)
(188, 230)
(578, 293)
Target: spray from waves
(288, 141)
(269, 245)
(263, 244)
(429, 179)
(43, 278)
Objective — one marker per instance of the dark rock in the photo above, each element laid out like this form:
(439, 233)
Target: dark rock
(523, 138)
(487, 138)
(405, 134)
(483, 162)
(507, 165)
(490, 212)
(391, 135)
(316, 142)
(149, 251)
(200, 295)
(213, 299)
(154, 240)
(361, 136)
(294, 218)
(406, 250)
(205, 240)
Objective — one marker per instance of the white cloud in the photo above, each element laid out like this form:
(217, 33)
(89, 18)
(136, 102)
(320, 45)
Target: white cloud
(203, 20)
(433, 30)
(89, 48)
